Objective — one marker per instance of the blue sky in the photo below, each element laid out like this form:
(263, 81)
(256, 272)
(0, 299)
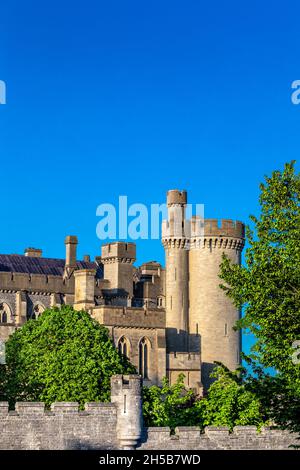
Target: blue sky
(134, 98)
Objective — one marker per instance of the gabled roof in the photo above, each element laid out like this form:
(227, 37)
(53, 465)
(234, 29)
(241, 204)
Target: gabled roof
(45, 266)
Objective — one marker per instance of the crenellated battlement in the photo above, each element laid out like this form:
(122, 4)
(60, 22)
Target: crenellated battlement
(183, 361)
(38, 409)
(217, 228)
(224, 228)
(35, 283)
(178, 233)
(118, 252)
(212, 233)
(213, 438)
(119, 425)
(121, 383)
(176, 197)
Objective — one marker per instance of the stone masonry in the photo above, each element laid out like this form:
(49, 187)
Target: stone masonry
(118, 425)
(168, 321)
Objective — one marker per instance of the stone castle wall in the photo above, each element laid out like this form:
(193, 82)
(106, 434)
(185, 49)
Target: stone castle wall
(242, 438)
(30, 427)
(118, 425)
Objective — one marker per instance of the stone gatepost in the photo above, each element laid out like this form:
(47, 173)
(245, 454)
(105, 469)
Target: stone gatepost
(126, 394)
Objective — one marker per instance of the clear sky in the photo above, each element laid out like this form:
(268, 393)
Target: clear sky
(109, 98)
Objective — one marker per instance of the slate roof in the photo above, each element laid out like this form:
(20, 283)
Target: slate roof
(45, 266)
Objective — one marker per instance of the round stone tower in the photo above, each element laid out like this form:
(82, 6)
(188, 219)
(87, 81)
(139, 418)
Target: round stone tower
(126, 395)
(212, 314)
(177, 257)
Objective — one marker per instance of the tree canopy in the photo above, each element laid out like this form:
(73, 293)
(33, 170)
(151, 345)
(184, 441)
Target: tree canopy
(228, 403)
(169, 405)
(267, 287)
(63, 355)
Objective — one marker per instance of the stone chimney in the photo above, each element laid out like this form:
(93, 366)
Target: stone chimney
(84, 289)
(71, 243)
(71, 248)
(33, 252)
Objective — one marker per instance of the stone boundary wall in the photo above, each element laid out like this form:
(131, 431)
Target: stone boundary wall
(242, 438)
(118, 425)
(64, 427)
(30, 427)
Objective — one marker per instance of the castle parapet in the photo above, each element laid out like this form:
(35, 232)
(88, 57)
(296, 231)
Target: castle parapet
(64, 407)
(224, 228)
(118, 259)
(118, 252)
(188, 364)
(30, 408)
(175, 196)
(129, 316)
(183, 360)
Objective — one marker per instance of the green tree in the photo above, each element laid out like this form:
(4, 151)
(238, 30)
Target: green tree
(63, 355)
(268, 288)
(229, 403)
(170, 405)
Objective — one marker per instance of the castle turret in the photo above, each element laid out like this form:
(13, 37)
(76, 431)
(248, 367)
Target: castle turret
(177, 257)
(118, 259)
(126, 394)
(212, 315)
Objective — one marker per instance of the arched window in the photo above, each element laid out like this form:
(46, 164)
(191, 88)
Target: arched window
(5, 313)
(144, 348)
(37, 310)
(123, 346)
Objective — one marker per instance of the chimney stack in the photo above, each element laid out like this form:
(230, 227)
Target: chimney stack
(71, 248)
(33, 252)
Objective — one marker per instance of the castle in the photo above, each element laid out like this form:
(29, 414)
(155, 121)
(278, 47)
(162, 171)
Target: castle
(167, 321)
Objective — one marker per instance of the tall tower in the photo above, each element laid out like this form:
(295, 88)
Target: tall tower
(177, 271)
(212, 314)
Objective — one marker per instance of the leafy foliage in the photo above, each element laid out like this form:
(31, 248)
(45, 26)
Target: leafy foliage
(268, 288)
(63, 355)
(229, 402)
(2, 382)
(169, 405)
